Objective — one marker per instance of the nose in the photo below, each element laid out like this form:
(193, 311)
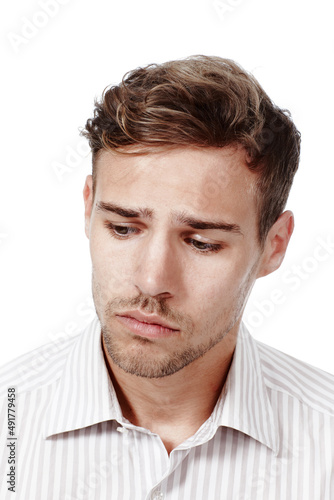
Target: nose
(158, 270)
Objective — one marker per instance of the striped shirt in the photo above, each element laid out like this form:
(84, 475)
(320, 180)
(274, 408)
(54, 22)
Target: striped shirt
(269, 437)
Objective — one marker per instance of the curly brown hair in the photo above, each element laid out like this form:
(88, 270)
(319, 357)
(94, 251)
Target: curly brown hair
(207, 102)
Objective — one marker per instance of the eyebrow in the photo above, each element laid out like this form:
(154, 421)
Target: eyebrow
(145, 213)
(179, 217)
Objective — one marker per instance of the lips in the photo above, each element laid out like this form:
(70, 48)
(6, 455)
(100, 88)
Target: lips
(144, 325)
(150, 319)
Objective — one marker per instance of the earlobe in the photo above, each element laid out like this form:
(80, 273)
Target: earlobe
(276, 244)
(88, 200)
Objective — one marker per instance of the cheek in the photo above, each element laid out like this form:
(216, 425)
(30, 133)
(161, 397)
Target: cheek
(108, 274)
(223, 284)
(213, 292)
(114, 265)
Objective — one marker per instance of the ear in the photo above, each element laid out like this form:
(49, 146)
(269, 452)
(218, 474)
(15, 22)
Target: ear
(88, 200)
(276, 244)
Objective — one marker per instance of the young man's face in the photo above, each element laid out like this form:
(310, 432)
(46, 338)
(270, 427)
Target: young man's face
(156, 263)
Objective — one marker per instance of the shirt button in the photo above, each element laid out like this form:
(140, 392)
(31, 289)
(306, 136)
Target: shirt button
(122, 430)
(157, 495)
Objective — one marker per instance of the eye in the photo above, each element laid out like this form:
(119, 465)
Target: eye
(202, 247)
(120, 232)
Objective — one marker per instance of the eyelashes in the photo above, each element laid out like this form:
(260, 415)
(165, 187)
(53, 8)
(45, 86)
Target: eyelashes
(121, 232)
(125, 232)
(204, 247)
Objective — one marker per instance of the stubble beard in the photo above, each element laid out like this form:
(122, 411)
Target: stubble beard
(144, 363)
(141, 359)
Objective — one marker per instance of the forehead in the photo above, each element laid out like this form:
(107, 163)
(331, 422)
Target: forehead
(204, 181)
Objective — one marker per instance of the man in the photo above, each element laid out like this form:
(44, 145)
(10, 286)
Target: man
(166, 395)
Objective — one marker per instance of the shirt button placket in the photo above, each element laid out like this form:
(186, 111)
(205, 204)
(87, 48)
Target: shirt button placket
(157, 495)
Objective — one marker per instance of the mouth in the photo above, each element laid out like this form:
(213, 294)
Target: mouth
(144, 325)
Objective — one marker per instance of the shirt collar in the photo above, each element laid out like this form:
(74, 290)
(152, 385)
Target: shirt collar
(244, 404)
(85, 396)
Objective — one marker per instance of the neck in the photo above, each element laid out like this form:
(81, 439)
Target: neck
(175, 406)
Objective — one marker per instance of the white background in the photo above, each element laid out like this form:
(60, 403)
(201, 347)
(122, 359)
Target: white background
(55, 64)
